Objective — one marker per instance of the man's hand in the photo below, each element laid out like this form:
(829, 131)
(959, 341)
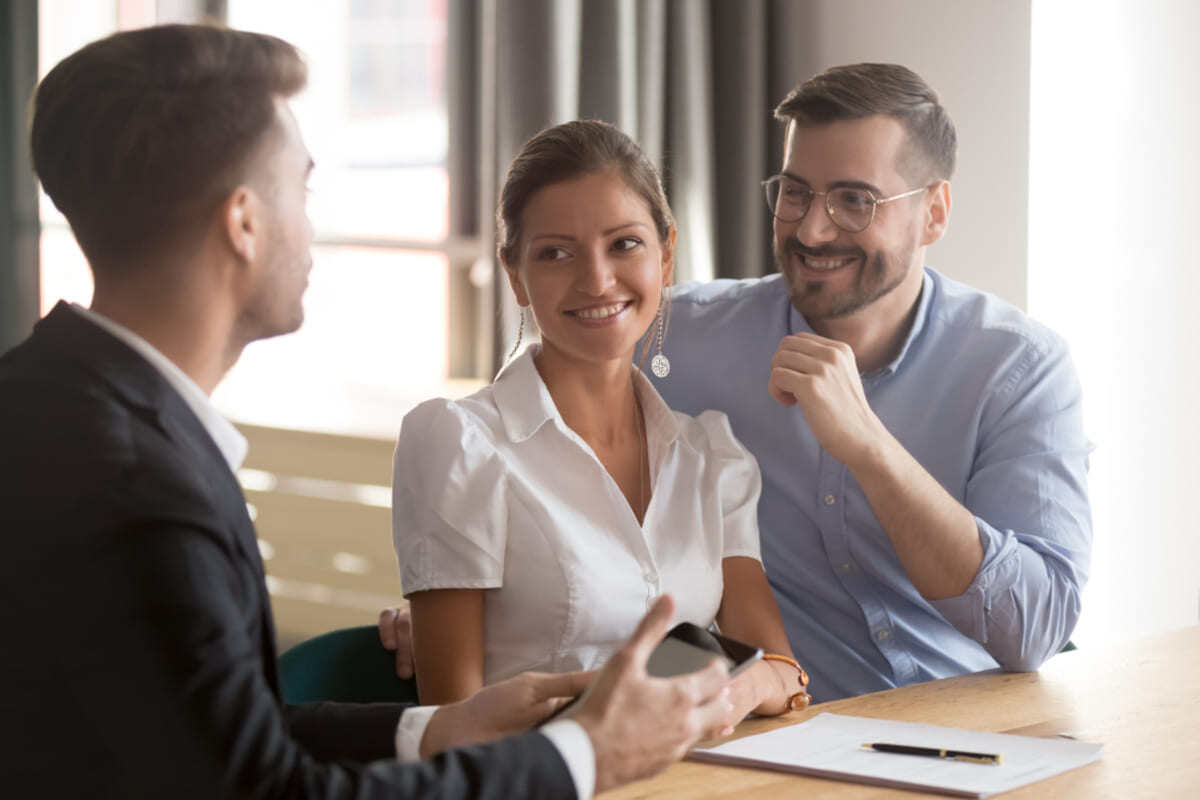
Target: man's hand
(639, 724)
(502, 709)
(395, 632)
(936, 538)
(821, 376)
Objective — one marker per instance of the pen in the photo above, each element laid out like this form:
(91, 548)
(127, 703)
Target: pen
(934, 752)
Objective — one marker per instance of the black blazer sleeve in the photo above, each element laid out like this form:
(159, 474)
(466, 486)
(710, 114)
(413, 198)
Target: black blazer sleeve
(350, 731)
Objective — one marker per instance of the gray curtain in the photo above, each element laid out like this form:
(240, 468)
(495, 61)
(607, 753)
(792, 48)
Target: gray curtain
(19, 288)
(694, 81)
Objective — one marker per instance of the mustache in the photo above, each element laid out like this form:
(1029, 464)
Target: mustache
(794, 247)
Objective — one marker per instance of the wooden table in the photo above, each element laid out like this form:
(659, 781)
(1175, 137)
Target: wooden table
(1140, 699)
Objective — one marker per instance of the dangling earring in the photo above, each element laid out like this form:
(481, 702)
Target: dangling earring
(520, 333)
(660, 365)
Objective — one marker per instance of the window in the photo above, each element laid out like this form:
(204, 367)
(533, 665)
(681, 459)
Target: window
(377, 330)
(63, 27)
(376, 336)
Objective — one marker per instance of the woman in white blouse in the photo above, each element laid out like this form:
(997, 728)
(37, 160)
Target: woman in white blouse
(536, 520)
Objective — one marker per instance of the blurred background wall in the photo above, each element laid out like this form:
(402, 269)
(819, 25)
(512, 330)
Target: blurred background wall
(1074, 199)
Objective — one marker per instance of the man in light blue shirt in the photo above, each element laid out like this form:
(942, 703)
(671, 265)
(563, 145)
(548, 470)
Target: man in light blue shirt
(924, 509)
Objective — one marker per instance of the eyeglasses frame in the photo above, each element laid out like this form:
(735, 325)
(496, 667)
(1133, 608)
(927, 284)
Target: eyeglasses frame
(877, 202)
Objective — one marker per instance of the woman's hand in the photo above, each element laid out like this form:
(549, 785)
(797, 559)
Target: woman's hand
(749, 613)
(501, 709)
(395, 634)
(767, 688)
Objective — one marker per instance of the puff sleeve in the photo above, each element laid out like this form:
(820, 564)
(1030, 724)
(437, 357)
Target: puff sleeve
(448, 501)
(734, 473)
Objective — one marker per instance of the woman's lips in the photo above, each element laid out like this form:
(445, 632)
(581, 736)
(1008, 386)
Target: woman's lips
(601, 313)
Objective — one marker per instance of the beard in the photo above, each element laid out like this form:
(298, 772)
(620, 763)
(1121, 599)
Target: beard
(275, 307)
(876, 275)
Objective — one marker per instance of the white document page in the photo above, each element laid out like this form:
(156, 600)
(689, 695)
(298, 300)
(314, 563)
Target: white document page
(831, 746)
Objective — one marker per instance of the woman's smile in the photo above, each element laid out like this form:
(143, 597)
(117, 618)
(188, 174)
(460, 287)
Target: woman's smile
(599, 315)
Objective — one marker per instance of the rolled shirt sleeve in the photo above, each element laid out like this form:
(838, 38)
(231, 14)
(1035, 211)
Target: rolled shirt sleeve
(1028, 491)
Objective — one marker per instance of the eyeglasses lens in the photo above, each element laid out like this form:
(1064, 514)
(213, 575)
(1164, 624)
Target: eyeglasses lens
(850, 209)
(787, 200)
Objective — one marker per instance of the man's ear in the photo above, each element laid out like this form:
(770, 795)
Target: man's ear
(514, 281)
(241, 223)
(668, 261)
(937, 213)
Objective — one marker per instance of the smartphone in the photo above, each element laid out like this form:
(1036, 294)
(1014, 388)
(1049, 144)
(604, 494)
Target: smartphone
(688, 648)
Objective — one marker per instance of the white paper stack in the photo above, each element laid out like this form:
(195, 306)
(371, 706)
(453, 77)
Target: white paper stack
(831, 746)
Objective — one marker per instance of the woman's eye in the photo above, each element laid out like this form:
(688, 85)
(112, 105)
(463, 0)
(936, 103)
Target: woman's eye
(552, 254)
(626, 243)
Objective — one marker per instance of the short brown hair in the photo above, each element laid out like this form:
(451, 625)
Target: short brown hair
(571, 150)
(863, 90)
(137, 136)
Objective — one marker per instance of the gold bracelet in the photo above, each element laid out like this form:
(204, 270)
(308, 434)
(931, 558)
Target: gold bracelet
(801, 698)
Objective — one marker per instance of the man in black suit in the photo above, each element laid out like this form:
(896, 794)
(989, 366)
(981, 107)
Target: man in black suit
(139, 657)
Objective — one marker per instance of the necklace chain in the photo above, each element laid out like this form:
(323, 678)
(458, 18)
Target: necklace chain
(642, 447)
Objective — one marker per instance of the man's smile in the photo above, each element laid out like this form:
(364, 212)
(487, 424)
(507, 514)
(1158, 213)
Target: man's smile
(821, 260)
(826, 264)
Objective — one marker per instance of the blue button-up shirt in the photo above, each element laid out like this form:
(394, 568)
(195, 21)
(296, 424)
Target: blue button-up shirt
(986, 400)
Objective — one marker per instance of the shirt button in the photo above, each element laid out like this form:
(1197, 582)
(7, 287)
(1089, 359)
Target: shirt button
(845, 568)
(830, 499)
(882, 634)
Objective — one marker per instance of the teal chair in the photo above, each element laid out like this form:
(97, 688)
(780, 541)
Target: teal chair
(347, 665)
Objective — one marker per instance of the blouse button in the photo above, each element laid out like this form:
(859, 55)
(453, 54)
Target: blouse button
(830, 499)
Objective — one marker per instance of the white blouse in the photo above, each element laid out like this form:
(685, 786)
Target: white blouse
(495, 492)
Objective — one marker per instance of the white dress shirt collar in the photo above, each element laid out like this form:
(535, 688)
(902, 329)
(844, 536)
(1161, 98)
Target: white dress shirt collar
(525, 403)
(229, 441)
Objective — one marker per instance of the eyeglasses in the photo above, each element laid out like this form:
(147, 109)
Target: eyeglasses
(851, 209)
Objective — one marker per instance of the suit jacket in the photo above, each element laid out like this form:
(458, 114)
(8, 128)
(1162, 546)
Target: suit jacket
(138, 657)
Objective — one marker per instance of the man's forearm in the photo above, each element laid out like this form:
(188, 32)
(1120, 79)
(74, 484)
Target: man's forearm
(935, 536)
(1024, 590)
